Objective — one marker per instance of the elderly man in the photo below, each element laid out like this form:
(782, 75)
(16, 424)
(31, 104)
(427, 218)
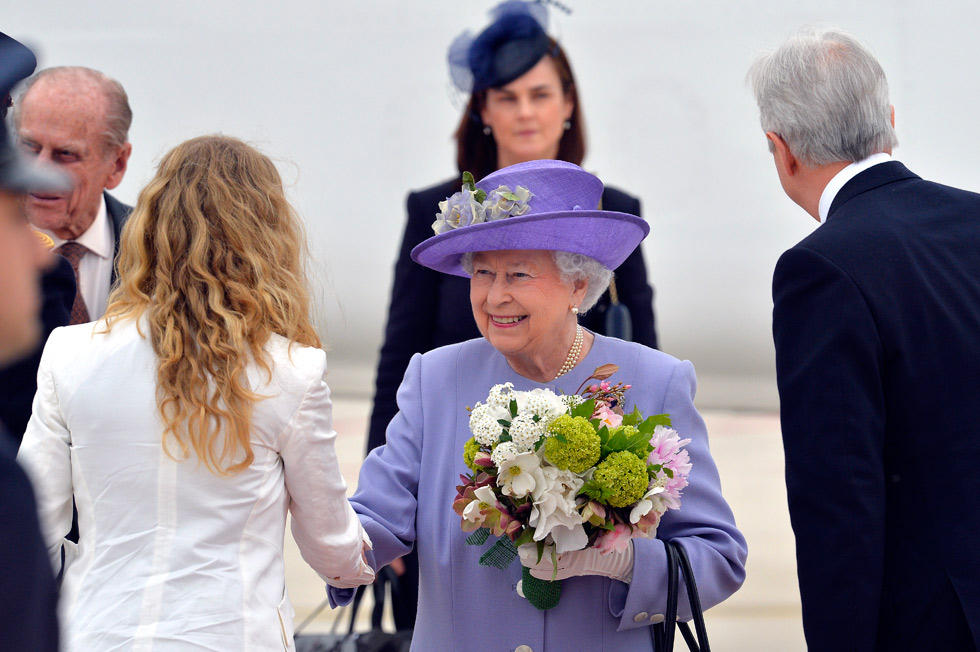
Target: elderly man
(876, 322)
(78, 120)
(29, 595)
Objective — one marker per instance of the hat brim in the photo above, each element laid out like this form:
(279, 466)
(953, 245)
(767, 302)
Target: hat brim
(19, 176)
(607, 236)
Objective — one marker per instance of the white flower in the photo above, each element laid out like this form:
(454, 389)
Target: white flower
(461, 209)
(541, 402)
(650, 502)
(475, 511)
(500, 396)
(484, 423)
(572, 400)
(525, 431)
(503, 452)
(501, 203)
(517, 475)
(553, 511)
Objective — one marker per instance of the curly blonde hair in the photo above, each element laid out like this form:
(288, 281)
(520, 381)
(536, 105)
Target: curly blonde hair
(213, 257)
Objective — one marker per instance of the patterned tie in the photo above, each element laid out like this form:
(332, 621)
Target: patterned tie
(74, 252)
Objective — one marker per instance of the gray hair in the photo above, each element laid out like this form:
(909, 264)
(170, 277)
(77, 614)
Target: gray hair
(571, 268)
(826, 96)
(118, 116)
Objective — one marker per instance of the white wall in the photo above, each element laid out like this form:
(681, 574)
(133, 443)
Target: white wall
(353, 100)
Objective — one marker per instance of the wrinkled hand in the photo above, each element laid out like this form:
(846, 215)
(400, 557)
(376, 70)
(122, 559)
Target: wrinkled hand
(617, 565)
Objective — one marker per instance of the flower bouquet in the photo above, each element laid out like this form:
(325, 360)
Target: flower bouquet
(565, 473)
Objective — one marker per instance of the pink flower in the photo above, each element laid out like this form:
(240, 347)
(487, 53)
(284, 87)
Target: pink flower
(668, 452)
(605, 414)
(615, 540)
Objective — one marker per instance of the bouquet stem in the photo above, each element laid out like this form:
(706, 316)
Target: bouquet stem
(542, 594)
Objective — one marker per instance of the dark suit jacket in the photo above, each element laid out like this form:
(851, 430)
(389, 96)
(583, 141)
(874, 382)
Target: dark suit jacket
(118, 214)
(18, 382)
(430, 309)
(877, 329)
(28, 595)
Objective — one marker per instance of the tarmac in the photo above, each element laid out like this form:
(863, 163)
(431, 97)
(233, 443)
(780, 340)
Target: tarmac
(763, 615)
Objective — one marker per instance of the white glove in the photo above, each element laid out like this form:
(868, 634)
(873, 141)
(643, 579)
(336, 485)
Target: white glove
(617, 565)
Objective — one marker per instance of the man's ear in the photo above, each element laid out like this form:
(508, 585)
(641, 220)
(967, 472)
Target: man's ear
(119, 163)
(781, 152)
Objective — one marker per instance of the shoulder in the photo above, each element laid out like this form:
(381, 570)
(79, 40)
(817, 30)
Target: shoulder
(639, 363)
(295, 364)
(614, 199)
(118, 211)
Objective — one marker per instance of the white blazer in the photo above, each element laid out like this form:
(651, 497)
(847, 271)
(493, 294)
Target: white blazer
(170, 555)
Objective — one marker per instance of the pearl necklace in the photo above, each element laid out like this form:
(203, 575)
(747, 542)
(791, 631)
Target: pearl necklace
(573, 353)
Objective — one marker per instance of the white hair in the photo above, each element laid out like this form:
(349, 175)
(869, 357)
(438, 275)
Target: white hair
(571, 268)
(826, 96)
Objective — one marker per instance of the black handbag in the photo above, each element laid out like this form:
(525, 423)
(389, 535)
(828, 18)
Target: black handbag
(663, 633)
(375, 640)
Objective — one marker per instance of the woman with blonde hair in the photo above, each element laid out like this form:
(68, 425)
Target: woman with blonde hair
(187, 421)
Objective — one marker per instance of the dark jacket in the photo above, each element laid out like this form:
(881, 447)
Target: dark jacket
(28, 595)
(429, 309)
(877, 330)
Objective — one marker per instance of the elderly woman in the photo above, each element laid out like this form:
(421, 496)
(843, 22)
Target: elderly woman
(187, 421)
(530, 275)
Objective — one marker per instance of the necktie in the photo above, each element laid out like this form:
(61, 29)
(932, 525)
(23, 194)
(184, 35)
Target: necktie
(74, 252)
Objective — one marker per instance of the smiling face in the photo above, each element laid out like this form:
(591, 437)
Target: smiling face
(521, 305)
(527, 116)
(61, 122)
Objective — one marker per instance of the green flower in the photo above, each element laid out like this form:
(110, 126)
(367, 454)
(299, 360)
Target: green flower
(470, 449)
(627, 431)
(625, 475)
(574, 444)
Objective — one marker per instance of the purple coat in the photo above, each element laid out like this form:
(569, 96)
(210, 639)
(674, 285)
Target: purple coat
(406, 490)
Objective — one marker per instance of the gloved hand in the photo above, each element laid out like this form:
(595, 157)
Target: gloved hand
(617, 565)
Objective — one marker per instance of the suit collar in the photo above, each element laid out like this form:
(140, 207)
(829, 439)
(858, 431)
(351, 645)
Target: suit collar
(872, 178)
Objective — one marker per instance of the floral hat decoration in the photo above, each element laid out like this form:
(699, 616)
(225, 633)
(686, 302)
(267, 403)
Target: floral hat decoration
(546, 205)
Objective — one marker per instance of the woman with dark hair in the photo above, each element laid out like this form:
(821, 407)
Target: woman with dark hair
(523, 106)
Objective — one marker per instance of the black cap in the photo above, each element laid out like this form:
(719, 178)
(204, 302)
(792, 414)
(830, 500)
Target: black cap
(16, 174)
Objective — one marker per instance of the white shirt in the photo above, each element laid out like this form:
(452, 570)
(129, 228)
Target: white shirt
(95, 267)
(170, 555)
(842, 177)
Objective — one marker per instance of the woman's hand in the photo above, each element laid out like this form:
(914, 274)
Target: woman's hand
(617, 565)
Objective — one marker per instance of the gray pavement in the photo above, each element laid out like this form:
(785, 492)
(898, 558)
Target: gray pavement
(763, 615)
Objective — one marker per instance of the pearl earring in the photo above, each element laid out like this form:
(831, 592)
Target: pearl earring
(574, 310)
(487, 131)
(567, 125)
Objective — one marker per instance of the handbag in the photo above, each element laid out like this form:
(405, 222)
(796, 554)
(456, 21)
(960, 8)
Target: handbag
(375, 640)
(663, 633)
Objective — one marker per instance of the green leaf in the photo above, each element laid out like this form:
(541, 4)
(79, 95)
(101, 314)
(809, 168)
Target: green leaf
(513, 407)
(584, 410)
(480, 195)
(468, 181)
(510, 196)
(504, 422)
(633, 417)
(652, 422)
(506, 437)
(527, 536)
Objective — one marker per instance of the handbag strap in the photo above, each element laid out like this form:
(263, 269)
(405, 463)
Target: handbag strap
(663, 633)
(695, 600)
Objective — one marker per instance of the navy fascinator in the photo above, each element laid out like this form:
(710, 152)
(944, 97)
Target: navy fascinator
(512, 44)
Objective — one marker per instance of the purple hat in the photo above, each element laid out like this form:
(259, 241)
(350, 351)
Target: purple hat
(546, 205)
